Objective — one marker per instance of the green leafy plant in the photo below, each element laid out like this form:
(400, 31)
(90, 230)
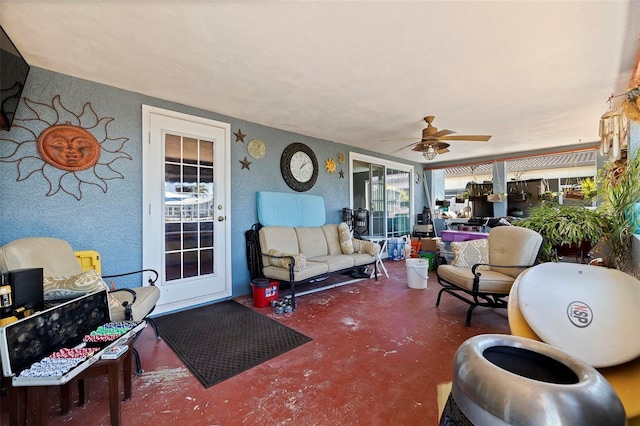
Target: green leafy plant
(565, 225)
(589, 188)
(620, 190)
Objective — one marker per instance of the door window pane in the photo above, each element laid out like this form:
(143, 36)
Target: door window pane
(398, 203)
(189, 212)
(385, 191)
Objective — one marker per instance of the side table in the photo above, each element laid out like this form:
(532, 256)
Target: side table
(382, 241)
(37, 394)
(111, 368)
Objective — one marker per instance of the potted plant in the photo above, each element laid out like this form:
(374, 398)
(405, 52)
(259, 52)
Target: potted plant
(589, 189)
(460, 198)
(620, 193)
(566, 229)
(549, 196)
(499, 197)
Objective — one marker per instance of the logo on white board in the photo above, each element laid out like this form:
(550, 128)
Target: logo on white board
(580, 314)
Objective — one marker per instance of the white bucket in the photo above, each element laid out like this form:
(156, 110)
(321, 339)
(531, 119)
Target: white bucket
(417, 273)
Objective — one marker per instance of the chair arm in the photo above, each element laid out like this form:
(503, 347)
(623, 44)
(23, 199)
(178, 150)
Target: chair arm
(292, 264)
(151, 281)
(477, 274)
(126, 304)
(477, 265)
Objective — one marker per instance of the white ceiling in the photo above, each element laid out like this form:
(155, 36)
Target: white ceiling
(534, 74)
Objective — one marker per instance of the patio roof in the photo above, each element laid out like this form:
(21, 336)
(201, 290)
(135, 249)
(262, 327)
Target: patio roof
(541, 162)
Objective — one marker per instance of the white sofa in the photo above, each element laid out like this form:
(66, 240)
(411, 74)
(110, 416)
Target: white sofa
(301, 254)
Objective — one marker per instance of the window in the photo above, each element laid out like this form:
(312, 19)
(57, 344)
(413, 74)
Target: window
(382, 188)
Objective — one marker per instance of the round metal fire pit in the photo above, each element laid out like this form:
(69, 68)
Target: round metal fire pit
(510, 380)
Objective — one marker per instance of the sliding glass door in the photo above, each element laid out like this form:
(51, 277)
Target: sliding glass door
(384, 190)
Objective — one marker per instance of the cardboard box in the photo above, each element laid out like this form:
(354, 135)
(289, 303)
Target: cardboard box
(430, 244)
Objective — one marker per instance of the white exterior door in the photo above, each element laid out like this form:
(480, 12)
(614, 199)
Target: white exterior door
(186, 223)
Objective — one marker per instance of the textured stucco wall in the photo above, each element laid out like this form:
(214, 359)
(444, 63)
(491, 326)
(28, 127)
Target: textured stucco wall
(111, 222)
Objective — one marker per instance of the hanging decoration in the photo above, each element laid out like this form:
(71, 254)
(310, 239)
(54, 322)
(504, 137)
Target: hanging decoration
(498, 196)
(614, 134)
(631, 104)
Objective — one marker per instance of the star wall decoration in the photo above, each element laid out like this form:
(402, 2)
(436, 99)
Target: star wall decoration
(245, 163)
(239, 136)
(341, 172)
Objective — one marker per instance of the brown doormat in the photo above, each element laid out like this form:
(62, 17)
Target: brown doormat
(221, 340)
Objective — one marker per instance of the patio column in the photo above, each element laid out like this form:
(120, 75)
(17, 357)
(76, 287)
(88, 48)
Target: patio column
(499, 186)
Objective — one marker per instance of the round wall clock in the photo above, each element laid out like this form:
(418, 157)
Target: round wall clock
(299, 167)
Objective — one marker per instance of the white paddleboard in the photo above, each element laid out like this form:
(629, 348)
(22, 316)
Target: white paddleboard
(589, 312)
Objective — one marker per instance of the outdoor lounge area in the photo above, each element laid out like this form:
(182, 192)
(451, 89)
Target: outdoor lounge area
(381, 336)
(319, 213)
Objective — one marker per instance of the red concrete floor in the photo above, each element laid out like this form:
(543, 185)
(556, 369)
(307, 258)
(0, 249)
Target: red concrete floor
(379, 350)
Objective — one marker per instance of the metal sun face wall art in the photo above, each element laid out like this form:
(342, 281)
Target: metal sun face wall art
(66, 148)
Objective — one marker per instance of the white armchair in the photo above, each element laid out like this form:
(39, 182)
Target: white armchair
(64, 278)
(486, 279)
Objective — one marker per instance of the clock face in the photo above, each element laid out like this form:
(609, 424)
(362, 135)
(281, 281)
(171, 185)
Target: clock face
(299, 167)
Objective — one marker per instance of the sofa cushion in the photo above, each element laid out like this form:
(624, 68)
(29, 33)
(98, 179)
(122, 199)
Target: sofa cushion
(312, 269)
(490, 281)
(290, 209)
(146, 299)
(362, 258)
(336, 262)
(333, 240)
(54, 256)
(503, 239)
(281, 238)
(344, 235)
(311, 241)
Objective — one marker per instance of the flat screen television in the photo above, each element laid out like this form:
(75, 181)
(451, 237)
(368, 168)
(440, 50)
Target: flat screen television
(13, 75)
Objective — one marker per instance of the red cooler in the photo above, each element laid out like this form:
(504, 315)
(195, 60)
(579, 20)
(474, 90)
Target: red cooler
(264, 291)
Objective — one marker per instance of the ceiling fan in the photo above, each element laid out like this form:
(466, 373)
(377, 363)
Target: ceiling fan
(432, 141)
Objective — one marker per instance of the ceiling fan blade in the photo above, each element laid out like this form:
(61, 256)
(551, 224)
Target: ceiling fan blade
(401, 139)
(442, 132)
(475, 138)
(403, 147)
(443, 151)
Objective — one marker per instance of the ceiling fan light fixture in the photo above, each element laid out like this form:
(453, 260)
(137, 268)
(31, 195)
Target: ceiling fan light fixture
(430, 153)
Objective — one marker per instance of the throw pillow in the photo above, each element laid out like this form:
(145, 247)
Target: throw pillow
(61, 288)
(300, 260)
(369, 247)
(344, 234)
(468, 253)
